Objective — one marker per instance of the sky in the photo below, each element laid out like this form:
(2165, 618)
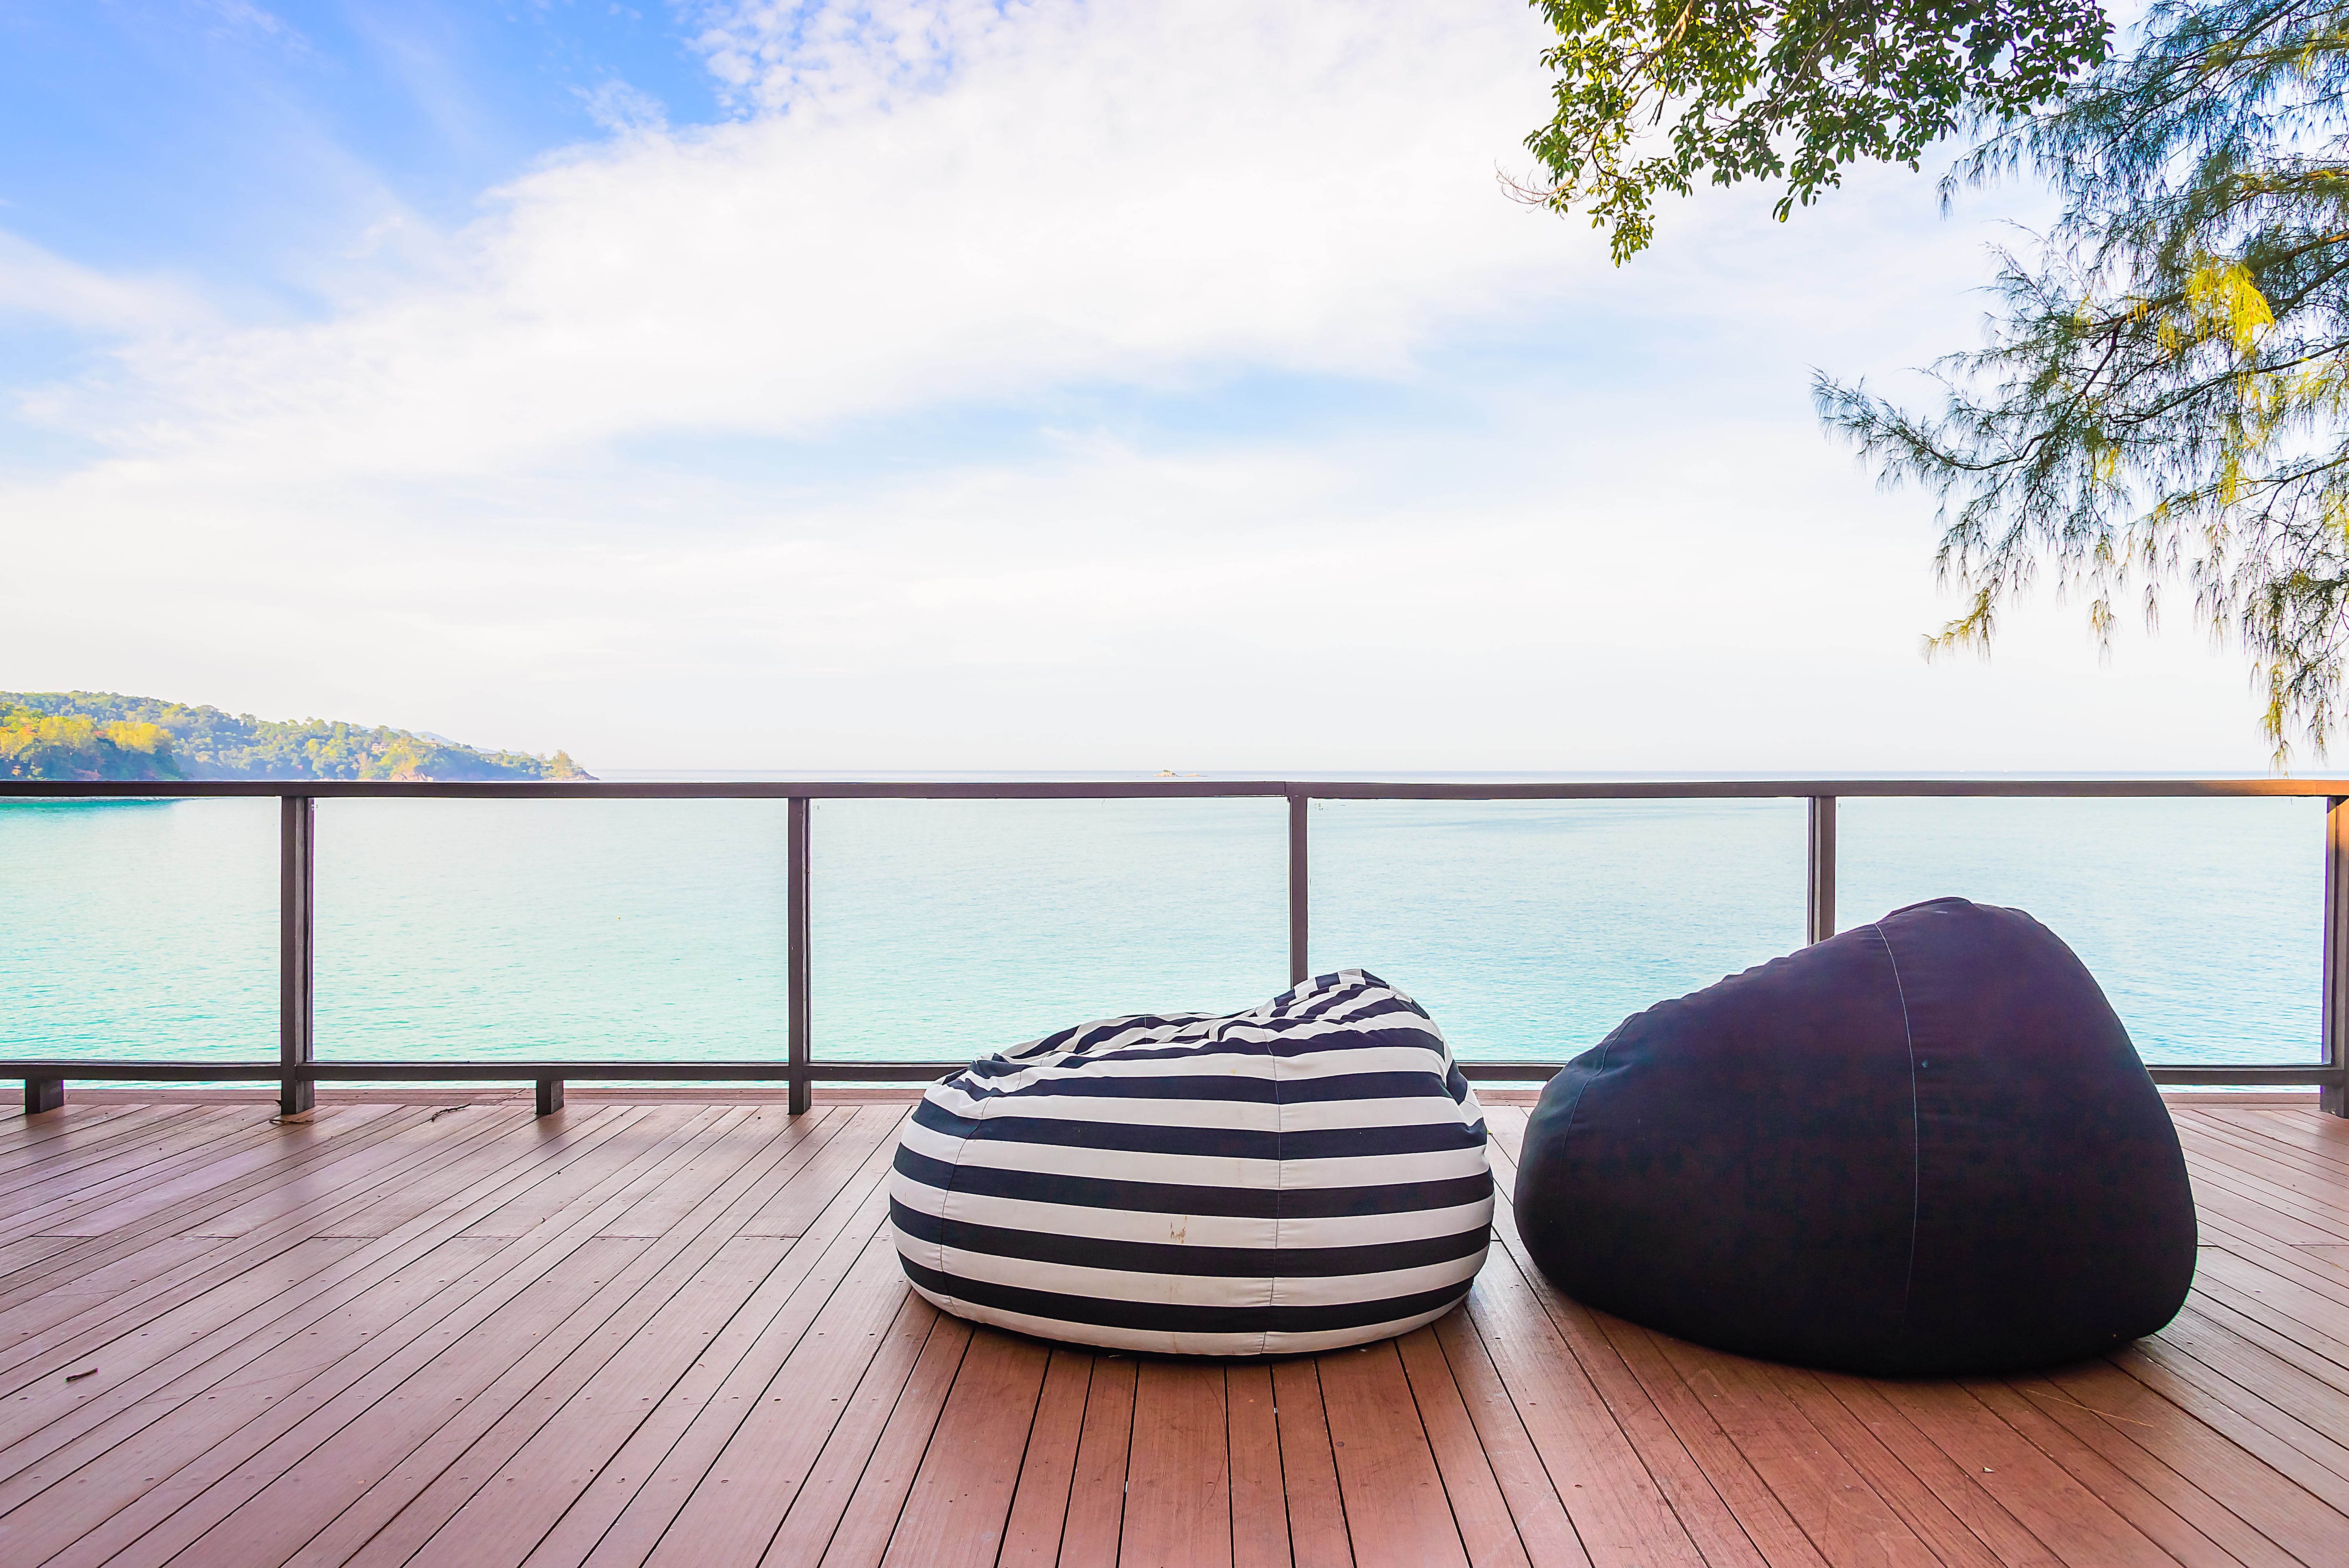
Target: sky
(951, 386)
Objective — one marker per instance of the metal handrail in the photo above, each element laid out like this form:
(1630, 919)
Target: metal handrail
(298, 1072)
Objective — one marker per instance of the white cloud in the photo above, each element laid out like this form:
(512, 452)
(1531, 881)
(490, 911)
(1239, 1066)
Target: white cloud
(1615, 539)
(1129, 193)
(35, 284)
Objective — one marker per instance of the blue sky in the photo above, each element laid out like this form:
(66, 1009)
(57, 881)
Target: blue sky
(228, 139)
(945, 384)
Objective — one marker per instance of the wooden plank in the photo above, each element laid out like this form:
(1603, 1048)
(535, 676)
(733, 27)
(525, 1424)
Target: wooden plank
(21, 1133)
(955, 1514)
(1040, 1505)
(224, 1477)
(2269, 1485)
(2306, 1131)
(336, 1178)
(2309, 1316)
(2255, 1368)
(1097, 1496)
(216, 1297)
(1632, 1490)
(1478, 1507)
(2282, 1260)
(76, 1146)
(130, 1461)
(2160, 1507)
(752, 1133)
(56, 1199)
(2236, 1318)
(505, 1489)
(288, 1493)
(62, 1210)
(1179, 1500)
(2271, 1138)
(1769, 1527)
(1619, 1512)
(452, 1355)
(1839, 1506)
(432, 1169)
(1317, 1536)
(2282, 1184)
(36, 1406)
(697, 1299)
(2302, 1450)
(2005, 1480)
(78, 1291)
(1259, 1512)
(1396, 1511)
(27, 1251)
(863, 1531)
(543, 1451)
(797, 1526)
(1975, 1512)
(1543, 1528)
(94, 1295)
(790, 1210)
(254, 1437)
(2217, 1199)
(204, 1180)
(756, 1362)
(551, 1199)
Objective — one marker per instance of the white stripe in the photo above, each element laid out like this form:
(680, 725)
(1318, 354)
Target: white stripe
(1212, 1115)
(1192, 1230)
(1193, 1290)
(1197, 1170)
(1204, 1063)
(1160, 1342)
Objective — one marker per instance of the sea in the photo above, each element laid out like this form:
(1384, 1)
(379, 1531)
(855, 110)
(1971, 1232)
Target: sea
(470, 929)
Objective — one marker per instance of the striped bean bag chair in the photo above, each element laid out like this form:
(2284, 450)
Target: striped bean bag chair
(1307, 1174)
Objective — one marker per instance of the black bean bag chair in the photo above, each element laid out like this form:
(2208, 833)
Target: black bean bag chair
(1305, 1175)
(1922, 1146)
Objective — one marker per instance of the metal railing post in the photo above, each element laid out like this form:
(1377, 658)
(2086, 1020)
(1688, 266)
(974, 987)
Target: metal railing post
(297, 889)
(2334, 1027)
(1819, 910)
(803, 1079)
(1301, 898)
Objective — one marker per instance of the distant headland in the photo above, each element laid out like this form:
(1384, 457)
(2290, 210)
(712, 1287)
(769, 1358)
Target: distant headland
(104, 734)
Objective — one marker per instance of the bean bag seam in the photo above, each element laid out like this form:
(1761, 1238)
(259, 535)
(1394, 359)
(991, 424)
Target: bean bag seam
(1916, 1135)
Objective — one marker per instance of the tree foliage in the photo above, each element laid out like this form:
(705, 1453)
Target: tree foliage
(104, 734)
(35, 745)
(1781, 89)
(2162, 397)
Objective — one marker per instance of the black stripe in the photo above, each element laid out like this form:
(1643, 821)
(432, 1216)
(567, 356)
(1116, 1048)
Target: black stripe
(1345, 1038)
(1217, 1085)
(1181, 1198)
(1207, 1142)
(1164, 1317)
(1176, 1259)
(1084, 1036)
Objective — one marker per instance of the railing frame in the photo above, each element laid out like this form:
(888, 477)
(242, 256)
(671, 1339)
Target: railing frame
(298, 1072)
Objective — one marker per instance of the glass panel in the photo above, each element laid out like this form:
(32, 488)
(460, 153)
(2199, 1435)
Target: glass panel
(2203, 919)
(947, 929)
(139, 928)
(1529, 929)
(482, 929)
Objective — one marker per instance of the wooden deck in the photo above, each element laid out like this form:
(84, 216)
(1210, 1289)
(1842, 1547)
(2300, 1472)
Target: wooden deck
(675, 1334)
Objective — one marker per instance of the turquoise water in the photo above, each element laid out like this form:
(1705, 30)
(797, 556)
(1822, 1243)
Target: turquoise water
(484, 930)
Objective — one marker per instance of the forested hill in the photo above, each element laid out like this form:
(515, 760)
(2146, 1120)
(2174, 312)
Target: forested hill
(104, 735)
